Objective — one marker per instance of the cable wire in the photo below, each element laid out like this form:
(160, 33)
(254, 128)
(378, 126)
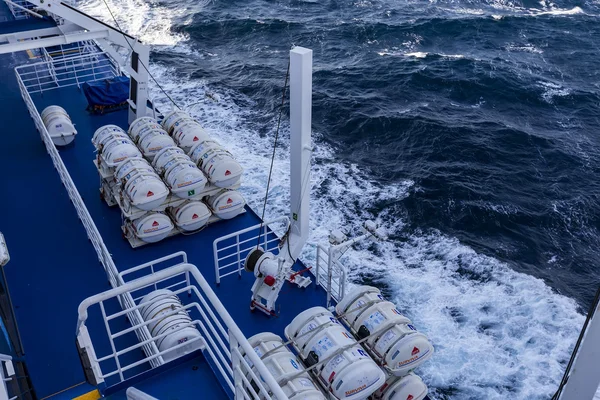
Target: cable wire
(140, 61)
(262, 218)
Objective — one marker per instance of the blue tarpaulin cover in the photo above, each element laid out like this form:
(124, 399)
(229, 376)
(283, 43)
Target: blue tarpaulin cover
(107, 92)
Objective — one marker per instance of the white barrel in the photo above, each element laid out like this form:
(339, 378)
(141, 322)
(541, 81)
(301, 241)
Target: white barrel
(59, 125)
(154, 142)
(198, 150)
(171, 118)
(392, 338)
(284, 367)
(139, 124)
(410, 387)
(149, 130)
(106, 132)
(118, 150)
(191, 215)
(172, 325)
(221, 169)
(185, 179)
(152, 227)
(166, 154)
(226, 204)
(188, 134)
(52, 110)
(146, 191)
(151, 297)
(172, 161)
(124, 170)
(347, 371)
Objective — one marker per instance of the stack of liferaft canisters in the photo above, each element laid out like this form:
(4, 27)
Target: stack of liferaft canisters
(366, 350)
(167, 178)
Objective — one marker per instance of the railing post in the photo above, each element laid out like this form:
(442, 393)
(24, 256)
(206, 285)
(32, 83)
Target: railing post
(239, 260)
(235, 366)
(37, 77)
(329, 275)
(152, 269)
(318, 267)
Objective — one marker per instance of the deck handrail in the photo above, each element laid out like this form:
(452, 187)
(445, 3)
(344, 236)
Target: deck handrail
(241, 358)
(67, 70)
(93, 234)
(238, 254)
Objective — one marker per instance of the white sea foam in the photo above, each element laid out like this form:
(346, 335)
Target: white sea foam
(560, 11)
(498, 333)
(417, 54)
(421, 54)
(526, 48)
(552, 90)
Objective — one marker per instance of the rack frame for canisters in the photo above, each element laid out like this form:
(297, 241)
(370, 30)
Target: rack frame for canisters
(109, 191)
(112, 195)
(135, 242)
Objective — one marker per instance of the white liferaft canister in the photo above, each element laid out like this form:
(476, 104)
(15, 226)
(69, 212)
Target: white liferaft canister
(139, 124)
(154, 142)
(165, 155)
(149, 130)
(410, 387)
(227, 204)
(189, 135)
(168, 123)
(348, 372)
(59, 125)
(191, 215)
(146, 191)
(198, 150)
(283, 365)
(132, 173)
(52, 110)
(105, 132)
(393, 339)
(153, 227)
(175, 326)
(118, 150)
(133, 164)
(222, 169)
(185, 179)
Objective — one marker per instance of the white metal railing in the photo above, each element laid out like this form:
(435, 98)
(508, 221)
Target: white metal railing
(66, 71)
(18, 7)
(230, 251)
(86, 219)
(223, 342)
(330, 273)
(60, 52)
(7, 374)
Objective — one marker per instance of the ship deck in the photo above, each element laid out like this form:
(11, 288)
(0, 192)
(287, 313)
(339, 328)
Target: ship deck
(54, 267)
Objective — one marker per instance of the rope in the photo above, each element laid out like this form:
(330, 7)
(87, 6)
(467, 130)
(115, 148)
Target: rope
(590, 315)
(262, 218)
(140, 61)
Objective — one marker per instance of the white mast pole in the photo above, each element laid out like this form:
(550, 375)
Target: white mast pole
(264, 295)
(584, 379)
(300, 147)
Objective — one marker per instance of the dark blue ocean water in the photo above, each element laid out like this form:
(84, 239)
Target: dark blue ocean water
(491, 108)
(469, 128)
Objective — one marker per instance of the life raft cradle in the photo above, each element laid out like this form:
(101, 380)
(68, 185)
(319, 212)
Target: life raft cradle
(110, 193)
(135, 242)
(310, 368)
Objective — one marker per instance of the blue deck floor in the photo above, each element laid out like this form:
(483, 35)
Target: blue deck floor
(54, 267)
